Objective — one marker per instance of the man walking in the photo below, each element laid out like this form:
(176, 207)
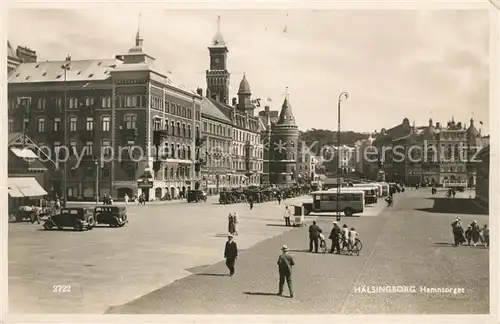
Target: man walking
(314, 231)
(230, 254)
(285, 264)
(334, 236)
(287, 216)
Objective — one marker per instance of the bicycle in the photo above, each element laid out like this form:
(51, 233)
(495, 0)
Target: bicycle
(344, 246)
(322, 243)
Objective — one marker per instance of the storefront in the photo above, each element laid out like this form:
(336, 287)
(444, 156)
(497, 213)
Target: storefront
(25, 191)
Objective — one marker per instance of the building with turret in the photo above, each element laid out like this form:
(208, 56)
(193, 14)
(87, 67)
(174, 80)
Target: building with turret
(283, 150)
(434, 154)
(244, 158)
(124, 106)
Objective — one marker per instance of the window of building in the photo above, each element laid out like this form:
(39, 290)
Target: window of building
(89, 148)
(106, 148)
(106, 102)
(41, 103)
(197, 131)
(205, 127)
(89, 124)
(131, 121)
(184, 130)
(178, 154)
(189, 152)
(172, 151)
(128, 101)
(11, 125)
(210, 128)
(157, 124)
(189, 131)
(89, 101)
(106, 121)
(130, 173)
(73, 148)
(178, 133)
(72, 124)
(57, 124)
(41, 125)
(173, 127)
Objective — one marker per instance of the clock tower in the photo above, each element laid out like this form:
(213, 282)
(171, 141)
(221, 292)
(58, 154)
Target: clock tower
(218, 76)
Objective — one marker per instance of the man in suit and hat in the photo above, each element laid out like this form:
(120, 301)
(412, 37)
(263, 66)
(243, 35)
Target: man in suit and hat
(334, 236)
(285, 264)
(230, 254)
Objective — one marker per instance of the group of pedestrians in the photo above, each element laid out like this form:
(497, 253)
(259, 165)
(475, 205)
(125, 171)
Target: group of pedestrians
(285, 264)
(473, 233)
(232, 223)
(337, 235)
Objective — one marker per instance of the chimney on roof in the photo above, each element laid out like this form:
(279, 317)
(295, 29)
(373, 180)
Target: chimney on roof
(235, 101)
(26, 55)
(199, 91)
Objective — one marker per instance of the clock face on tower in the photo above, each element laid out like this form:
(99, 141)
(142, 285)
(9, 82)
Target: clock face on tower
(217, 63)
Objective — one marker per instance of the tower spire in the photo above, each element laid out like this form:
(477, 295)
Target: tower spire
(138, 39)
(218, 41)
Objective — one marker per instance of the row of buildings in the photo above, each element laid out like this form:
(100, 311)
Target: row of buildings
(133, 130)
(429, 154)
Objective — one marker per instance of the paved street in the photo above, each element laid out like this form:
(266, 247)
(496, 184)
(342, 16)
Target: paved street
(112, 266)
(409, 244)
(168, 260)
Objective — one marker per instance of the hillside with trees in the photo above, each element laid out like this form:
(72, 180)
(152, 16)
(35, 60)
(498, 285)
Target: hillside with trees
(328, 137)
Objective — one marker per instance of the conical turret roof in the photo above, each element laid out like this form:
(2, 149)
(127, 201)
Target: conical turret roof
(286, 116)
(244, 86)
(472, 130)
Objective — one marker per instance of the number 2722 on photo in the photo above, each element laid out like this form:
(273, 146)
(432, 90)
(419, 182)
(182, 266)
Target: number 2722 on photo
(61, 288)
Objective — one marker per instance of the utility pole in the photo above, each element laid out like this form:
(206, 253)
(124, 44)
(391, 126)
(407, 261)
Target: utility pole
(66, 68)
(339, 168)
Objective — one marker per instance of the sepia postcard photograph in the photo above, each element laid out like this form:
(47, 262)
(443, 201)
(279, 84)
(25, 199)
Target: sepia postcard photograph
(250, 161)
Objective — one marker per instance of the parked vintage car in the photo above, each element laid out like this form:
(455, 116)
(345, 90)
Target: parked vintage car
(79, 218)
(196, 196)
(114, 216)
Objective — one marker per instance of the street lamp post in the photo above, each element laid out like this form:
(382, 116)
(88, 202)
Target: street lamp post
(65, 67)
(96, 162)
(344, 95)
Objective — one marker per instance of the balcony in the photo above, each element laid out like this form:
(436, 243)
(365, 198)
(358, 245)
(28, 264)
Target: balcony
(158, 135)
(129, 134)
(200, 140)
(157, 165)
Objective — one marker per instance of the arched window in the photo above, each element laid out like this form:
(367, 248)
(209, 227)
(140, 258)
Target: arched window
(178, 133)
(173, 127)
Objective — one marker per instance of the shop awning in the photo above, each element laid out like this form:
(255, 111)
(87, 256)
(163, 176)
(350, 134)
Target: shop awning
(13, 190)
(24, 153)
(29, 187)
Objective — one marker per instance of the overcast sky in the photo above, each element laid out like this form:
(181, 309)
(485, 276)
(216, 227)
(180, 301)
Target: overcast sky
(394, 64)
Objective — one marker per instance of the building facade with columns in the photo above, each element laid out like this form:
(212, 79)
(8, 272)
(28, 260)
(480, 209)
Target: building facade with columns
(135, 130)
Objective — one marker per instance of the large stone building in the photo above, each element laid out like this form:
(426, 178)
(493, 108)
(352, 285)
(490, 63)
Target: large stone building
(218, 133)
(245, 155)
(123, 106)
(432, 154)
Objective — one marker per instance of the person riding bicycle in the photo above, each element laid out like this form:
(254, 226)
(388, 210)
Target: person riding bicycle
(352, 239)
